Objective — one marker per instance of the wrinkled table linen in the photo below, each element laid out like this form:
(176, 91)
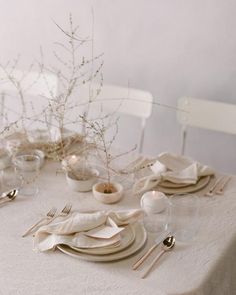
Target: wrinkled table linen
(85, 230)
(172, 168)
(206, 266)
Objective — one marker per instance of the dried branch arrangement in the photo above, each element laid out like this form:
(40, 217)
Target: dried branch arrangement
(68, 133)
(72, 70)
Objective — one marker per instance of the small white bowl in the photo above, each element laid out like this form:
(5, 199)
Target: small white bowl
(108, 198)
(81, 185)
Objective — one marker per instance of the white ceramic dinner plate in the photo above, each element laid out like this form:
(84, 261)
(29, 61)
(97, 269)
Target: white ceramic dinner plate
(140, 239)
(127, 238)
(186, 189)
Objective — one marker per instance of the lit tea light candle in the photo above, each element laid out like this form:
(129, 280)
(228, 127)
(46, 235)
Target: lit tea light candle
(70, 161)
(73, 160)
(153, 202)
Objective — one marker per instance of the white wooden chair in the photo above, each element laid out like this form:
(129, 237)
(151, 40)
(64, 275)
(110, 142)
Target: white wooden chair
(124, 100)
(207, 114)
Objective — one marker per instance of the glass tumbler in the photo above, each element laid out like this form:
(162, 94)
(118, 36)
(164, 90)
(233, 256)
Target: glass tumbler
(155, 207)
(5, 161)
(27, 169)
(184, 217)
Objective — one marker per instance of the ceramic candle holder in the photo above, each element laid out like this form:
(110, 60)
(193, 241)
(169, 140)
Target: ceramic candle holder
(70, 162)
(108, 198)
(83, 185)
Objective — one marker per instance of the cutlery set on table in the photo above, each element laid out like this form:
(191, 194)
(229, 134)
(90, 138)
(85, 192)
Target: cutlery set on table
(50, 216)
(218, 186)
(166, 245)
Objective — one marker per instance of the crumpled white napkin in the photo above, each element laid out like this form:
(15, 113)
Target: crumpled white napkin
(79, 230)
(174, 168)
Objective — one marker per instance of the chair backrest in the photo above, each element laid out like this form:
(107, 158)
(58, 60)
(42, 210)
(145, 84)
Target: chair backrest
(35, 83)
(124, 100)
(207, 114)
(37, 88)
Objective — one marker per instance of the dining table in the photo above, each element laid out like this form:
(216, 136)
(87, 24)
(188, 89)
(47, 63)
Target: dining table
(204, 266)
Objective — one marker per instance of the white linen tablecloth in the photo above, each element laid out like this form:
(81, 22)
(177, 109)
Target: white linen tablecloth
(206, 266)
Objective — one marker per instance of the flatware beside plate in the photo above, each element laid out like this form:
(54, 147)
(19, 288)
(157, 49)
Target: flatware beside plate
(210, 193)
(64, 212)
(158, 241)
(51, 213)
(220, 190)
(167, 245)
(218, 186)
(50, 216)
(8, 196)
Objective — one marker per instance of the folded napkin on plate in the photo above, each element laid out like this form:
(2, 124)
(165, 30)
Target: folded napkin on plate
(85, 230)
(173, 168)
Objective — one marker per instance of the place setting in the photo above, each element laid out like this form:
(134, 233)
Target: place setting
(98, 236)
(113, 235)
(174, 174)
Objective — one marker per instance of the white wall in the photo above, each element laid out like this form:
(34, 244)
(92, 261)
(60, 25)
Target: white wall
(169, 47)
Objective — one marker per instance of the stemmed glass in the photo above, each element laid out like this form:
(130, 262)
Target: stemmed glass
(27, 168)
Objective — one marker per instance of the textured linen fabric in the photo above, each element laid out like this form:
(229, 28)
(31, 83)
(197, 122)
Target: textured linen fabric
(73, 229)
(206, 266)
(174, 168)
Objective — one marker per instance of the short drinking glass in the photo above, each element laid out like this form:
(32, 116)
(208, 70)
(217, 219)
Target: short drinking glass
(155, 207)
(27, 169)
(184, 217)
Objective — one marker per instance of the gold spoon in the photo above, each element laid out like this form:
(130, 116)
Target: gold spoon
(8, 196)
(167, 245)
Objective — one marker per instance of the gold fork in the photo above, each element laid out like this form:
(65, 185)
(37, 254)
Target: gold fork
(210, 193)
(220, 190)
(51, 213)
(64, 212)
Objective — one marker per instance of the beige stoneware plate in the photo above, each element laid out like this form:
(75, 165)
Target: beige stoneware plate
(187, 189)
(140, 240)
(169, 184)
(127, 238)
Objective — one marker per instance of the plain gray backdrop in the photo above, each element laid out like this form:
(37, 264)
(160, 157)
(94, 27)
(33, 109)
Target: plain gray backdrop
(171, 48)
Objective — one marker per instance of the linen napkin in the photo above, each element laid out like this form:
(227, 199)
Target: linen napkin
(85, 230)
(173, 168)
